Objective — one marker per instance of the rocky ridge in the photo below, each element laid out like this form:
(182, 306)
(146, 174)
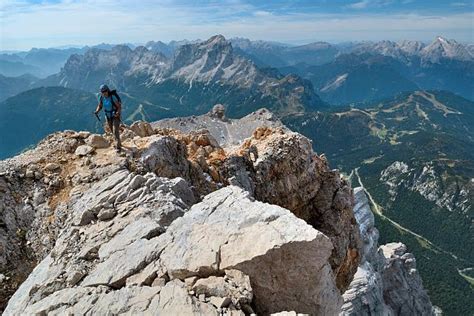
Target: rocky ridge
(128, 233)
(178, 224)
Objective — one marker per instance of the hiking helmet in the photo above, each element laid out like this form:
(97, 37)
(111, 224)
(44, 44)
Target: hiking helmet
(103, 88)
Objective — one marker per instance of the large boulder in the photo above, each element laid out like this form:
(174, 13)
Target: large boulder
(97, 141)
(285, 258)
(142, 128)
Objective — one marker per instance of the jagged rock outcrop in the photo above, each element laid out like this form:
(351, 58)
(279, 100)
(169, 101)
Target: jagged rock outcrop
(386, 282)
(403, 288)
(304, 184)
(301, 181)
(178, 224)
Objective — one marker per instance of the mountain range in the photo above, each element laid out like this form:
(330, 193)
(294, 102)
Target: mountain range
(10, 86)
(370, 71)
(201, 74)
(340, 73)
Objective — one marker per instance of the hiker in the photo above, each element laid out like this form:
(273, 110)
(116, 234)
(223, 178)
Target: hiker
(110, 101)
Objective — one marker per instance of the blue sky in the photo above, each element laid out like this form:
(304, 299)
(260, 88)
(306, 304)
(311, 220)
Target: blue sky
(42, 23)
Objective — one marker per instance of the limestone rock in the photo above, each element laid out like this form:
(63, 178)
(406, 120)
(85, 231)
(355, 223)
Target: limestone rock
(84, 150)
(386, 282)
(166, 157)
(403, 288)
(142, 128)
(106, 214)
(237, 290)
(81, 134)
(121, 264)
(174, 300)
(51, 167)
(97, 141)
(181, 224)
(365, 218)
(220, 302)
(218, 111)
(216, 234)
(365, 293)
(105, 253)
(224, 130)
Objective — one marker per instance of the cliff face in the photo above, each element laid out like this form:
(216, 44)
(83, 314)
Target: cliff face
(181, 223)
(387, 281)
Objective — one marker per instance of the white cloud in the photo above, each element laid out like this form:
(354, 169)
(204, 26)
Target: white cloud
(262, 13)
(365, 4)
(359, 5)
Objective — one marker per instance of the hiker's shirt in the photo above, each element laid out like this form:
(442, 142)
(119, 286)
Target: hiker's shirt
(108, 104)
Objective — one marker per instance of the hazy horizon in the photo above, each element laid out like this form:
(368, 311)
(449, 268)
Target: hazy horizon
(51, 23)
(298, 43)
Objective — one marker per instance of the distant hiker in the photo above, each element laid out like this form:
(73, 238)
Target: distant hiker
(110, 101)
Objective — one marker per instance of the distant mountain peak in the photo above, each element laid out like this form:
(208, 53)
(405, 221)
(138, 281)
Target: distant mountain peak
(443, 40)
(443, 48)
(216, 39)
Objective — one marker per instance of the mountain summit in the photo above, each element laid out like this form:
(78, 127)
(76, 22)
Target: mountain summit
(444, 48)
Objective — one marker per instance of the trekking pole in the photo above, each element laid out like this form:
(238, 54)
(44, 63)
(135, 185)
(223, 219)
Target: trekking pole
(98, 118)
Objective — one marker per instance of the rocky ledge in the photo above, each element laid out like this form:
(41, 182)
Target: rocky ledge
(181, 223)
